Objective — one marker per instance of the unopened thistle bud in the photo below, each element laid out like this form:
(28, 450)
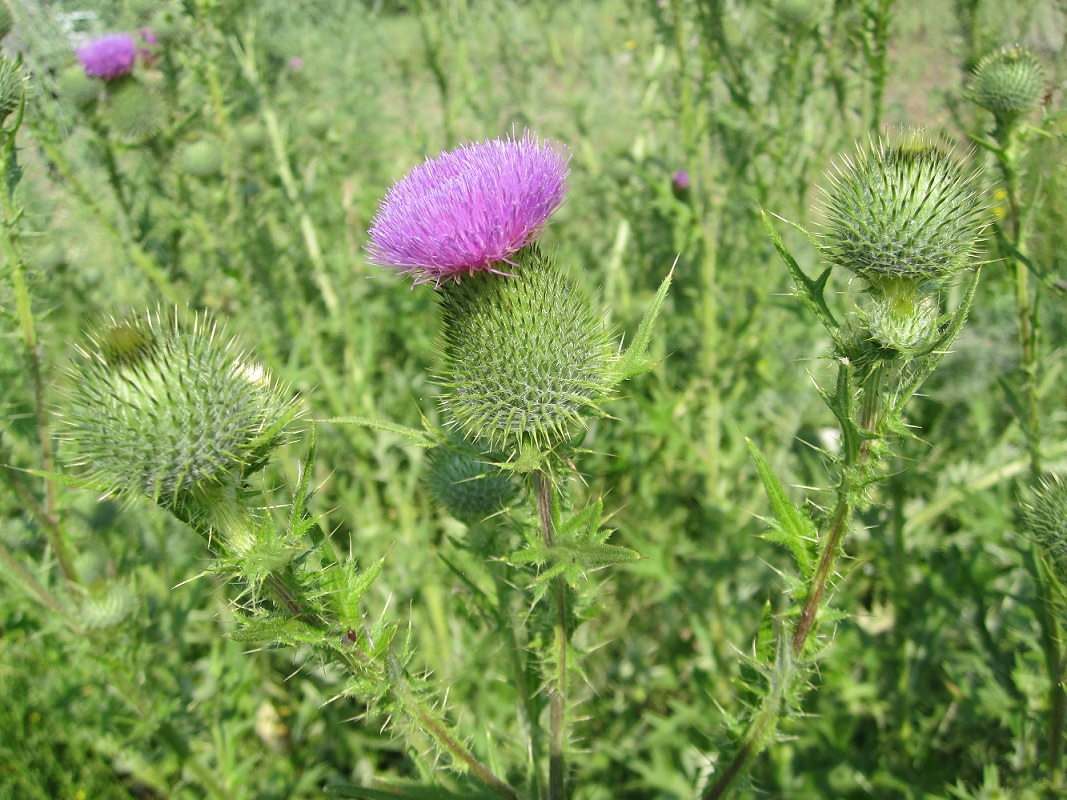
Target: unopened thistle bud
(201, 158)
(77, 89)
(134, 111)
(1045, 518)
(171, 411)
(12, 86)
(526, 357)
(1008, 83)
(899, 320)
(471, 490)
(903, 211)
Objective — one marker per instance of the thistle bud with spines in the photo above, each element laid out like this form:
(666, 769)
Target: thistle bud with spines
(1008, 83)
(906, 210)
(134, 112)
(526, 357)
(201, 158)
(1045, 519)
(171, 410)
(12, 86)
(469, 488)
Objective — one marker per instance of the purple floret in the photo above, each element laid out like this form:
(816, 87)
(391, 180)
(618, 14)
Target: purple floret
(108, 57)
(469, 209)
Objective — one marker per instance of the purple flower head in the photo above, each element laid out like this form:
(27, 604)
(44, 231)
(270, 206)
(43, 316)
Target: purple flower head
(469, 209)
(109, 57)
(296, 63)
(680, 184)
(147, 47)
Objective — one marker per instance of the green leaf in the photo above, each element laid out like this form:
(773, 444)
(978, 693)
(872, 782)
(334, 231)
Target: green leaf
(418, 437)
(791, 526)
(635, 360)
(265, 628)
(409, 791)
(810, 291)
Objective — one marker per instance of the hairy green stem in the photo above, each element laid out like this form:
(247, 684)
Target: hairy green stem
(544, 494)
(1047, 609)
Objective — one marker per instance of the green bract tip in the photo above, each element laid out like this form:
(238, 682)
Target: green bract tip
(171, 410)
(906, 210)
(526, 358)
(469, 489)
(1008, 83)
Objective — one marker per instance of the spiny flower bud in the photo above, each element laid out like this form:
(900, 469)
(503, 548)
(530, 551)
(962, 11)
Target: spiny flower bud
(1045, 518)
(471, 490)
(12, 86)
(251, 135)
(77, 89)
(1008, 83)
(108, 608)
(906, 210)
(526, 358)
(134, 111)
(171, 410)
(900, 318)
(201, 158)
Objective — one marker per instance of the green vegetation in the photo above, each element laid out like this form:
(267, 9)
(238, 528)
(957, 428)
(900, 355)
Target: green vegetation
(764, 549)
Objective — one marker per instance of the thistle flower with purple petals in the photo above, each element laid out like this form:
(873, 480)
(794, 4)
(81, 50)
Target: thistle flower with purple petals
(108, 57)
(469, 209)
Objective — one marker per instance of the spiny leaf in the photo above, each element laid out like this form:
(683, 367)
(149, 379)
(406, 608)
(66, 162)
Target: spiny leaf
(810, 291)
(792, 527)
(264, 628)
(414, 435)
(635, 360)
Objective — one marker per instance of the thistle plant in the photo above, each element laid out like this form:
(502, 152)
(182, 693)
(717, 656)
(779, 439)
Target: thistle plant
(1010, 83)
(526, 361)
(1044, 519)
(903, 218)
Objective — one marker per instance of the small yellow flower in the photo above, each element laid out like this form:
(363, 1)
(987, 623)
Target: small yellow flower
(35, 717)
(631, 44)
(1000, 204)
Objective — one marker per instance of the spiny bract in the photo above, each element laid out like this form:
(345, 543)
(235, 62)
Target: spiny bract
(907, 210)
(526, 358)
(1008, 83)
(134, 111)
(1045, 517)
(171, 410)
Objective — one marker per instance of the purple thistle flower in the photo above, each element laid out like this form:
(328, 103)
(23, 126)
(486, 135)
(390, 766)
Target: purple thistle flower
(680, 184)
(469, 209)
(108, 57)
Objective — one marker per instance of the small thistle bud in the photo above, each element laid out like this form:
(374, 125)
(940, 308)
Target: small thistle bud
(201, 158)
(134, 111)
(900, 318)
(680, 185)
(1008, 83)
(905, 211)
(318, 122)
(109, 608)
(525, 356)
(77, 89)
(171, 411)
(471, 490)
(12, 86)
(1045, 518)
(250, 135)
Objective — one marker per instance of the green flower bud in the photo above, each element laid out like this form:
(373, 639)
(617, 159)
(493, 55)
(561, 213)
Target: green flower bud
(201, 158)
(318, 122)
(907, 210)
(1008, 83)
(134, 111)
(1045, 518)
(77, 89)
(526, 357)
(12, 86)
(900, 318)
(471, 490)
(251, 135)
(171, 410)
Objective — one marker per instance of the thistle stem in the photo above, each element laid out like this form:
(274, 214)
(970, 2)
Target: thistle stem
(557, 693)
(1046, 609)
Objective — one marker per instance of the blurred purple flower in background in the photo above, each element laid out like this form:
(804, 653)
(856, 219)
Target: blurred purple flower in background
(146, 47)
(680, 184)
(296, 63)
(469, 209)
(108, 57)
